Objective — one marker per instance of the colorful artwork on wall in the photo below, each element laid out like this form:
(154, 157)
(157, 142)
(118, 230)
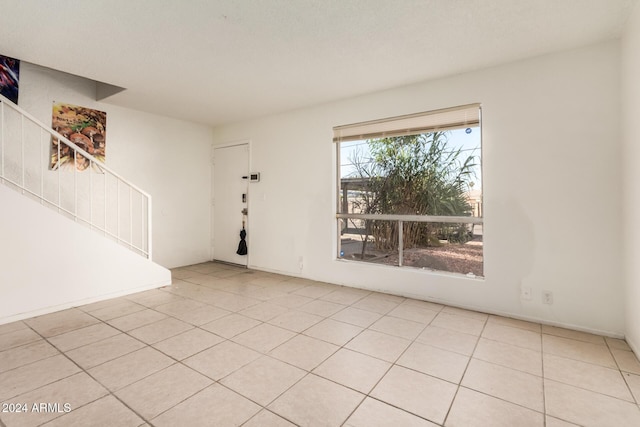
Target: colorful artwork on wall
(9, 77)
(85, 127)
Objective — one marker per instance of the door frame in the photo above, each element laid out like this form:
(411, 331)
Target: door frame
(214, 146)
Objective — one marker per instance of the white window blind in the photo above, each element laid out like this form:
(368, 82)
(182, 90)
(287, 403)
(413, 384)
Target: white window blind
(431, 121)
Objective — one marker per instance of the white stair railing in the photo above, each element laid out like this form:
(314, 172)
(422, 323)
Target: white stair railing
(89, 193)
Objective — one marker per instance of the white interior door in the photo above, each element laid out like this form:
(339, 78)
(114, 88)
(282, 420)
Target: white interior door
(230, 197)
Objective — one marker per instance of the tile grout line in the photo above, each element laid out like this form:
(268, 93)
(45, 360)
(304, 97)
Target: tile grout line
(464, 372)
(191, 297)
(146, 345)
(37, 361)
(264, 408)
(109, 391)
(622, 374)
(298, 333)
(616, 369)
(176, 362)
(544, 392)
(477, 341)
(391, 365)
(261, 355)
(310, 372)
(82, 370)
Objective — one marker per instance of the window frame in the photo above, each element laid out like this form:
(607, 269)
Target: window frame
(357, 134)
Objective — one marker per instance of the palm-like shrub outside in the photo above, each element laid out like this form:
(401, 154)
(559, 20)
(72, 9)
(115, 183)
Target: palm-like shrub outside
(413, 175)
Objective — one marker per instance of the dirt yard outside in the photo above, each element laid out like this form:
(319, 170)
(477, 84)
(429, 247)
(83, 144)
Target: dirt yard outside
(462, 258)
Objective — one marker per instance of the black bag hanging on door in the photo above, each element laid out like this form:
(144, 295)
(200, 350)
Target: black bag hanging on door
(242, 246)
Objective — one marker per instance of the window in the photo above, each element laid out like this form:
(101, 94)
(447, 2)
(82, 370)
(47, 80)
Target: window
(410, 191)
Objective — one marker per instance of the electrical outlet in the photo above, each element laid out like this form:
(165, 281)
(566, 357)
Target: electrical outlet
(547, 297)
(525, 293)
(300, 262)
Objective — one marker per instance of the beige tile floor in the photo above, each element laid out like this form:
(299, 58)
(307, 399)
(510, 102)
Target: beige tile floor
(225, 346)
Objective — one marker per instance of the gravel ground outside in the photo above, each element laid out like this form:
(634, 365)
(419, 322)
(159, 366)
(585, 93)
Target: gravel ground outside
(462, 258)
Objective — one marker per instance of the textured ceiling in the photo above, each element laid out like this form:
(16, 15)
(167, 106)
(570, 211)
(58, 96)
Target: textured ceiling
(218, 61)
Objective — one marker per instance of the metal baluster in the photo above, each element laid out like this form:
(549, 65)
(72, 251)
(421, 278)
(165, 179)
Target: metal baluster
(91, 194)
(104, 173)
(41, 169)
(75, 185)
(2, 140)
(142, 221)
(118, 207)
(149, 229)
(130, 217)
(400, 243)
(46, 161)
(22, 148)
(59, 167)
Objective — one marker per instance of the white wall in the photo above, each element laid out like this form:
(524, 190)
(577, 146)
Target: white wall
(551, 189)
(168, 158)
(631, 112)
(48, 262)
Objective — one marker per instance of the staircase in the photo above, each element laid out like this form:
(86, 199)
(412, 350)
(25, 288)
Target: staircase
(72, 231)
(79, 186)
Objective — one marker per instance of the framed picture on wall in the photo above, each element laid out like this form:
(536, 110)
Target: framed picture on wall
(9, 77)
(85, 127)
